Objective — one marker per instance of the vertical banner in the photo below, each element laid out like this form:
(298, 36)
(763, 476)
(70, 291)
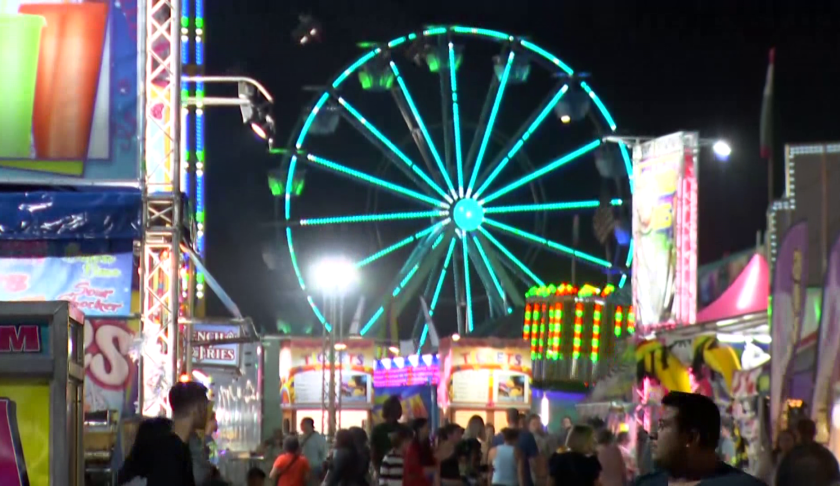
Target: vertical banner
(790, 277)
(829, 339)
(665, 231)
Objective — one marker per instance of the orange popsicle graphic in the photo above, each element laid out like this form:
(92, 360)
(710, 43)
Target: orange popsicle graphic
(68, 76)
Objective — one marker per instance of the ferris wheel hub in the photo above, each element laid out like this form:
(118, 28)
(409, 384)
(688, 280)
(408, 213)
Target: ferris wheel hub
(468, 214)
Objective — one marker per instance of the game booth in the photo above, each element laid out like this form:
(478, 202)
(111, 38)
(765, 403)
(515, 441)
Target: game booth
(41, 394)
(414, 379)
(484, 377)
(304, 380)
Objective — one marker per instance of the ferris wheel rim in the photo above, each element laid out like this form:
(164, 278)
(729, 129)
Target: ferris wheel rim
(304, 126)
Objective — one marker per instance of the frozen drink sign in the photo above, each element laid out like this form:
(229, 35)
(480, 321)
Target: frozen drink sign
(665, 231)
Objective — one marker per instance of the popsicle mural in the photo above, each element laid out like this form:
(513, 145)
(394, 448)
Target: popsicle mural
(69, 90)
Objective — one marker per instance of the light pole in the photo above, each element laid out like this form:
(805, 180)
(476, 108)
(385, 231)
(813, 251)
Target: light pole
(335, 277)
(720, 148)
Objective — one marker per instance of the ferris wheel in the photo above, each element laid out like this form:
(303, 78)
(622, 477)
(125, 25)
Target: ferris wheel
(429, 181)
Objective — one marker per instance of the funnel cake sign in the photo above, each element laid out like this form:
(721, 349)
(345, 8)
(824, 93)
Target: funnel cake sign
(98, 285)
(69, 90)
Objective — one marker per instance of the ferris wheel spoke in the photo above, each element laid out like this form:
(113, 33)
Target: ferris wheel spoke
(500, 268)
(522, 135)
(429, 144)
(521, 266)
(422, 261)
(402, 243)
(367, 178)
(488, 275)
(468, 316)
(393, 152)
(488, 129)
(373, 218)
(555, 206)
(549, 244)
(553, 165)
(438, 288)
(456, 118)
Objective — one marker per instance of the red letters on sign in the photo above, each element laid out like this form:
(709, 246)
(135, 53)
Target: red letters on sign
(20, 339)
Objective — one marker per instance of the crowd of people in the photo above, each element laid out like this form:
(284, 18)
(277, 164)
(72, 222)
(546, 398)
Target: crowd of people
(685, 451)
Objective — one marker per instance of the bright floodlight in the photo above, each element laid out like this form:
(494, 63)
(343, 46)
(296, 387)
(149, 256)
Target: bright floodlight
(722, 150)
(335, 274)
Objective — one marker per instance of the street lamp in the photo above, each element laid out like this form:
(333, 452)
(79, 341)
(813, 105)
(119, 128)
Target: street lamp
(722, 150)
(334, 276)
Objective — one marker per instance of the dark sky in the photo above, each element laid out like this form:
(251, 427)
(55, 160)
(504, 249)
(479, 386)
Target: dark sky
(659, 66)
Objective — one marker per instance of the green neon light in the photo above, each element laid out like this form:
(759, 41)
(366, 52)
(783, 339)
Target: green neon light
(551, 244)
(467, 289)
(369, 218)
(489, 267)
(511, 257)
(456, 119)
(556, 206)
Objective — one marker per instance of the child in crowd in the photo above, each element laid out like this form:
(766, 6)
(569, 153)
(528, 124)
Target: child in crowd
(391, 469)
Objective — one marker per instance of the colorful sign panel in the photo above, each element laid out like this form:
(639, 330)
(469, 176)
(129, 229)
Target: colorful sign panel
(489, 376)
(69, 91)
(109, 370)
(219, 354)
(303, 373)
(790, 281)
(98, 285)
(417, 401)
(665, 231)
(24, 434)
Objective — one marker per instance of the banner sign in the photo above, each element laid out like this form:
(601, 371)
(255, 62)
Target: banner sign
(98, 285)
(417, 402)
(29, 338)
(486, 376)
(109, 370)
(790, 278)
(216, 355)
(829, 329)
(70, 92)
(302, 372)
(665, 231)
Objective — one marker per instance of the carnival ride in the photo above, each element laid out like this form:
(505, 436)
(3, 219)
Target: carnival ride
(454, 197)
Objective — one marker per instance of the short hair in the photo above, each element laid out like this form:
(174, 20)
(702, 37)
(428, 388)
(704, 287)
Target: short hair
(807, 429)
(510, 434)
(418, 424)
(580, 438)
(698, 414)
(449, 430)
(255, 473)
(400, 436)
(184, 396)
(344, 439)
(535, 416)
(291, 444)
(308, 420)
(392, 408)
(512, 415)
(623, 437)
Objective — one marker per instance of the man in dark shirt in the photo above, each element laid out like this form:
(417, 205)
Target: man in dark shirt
(808, 462)
(163, 458)
(380, 437)
(526, 444)
(684, 446)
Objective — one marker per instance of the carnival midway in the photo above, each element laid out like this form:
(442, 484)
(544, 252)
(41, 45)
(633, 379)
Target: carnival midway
(102, 247)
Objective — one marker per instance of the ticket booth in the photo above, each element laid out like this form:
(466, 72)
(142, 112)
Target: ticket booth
(41, 394)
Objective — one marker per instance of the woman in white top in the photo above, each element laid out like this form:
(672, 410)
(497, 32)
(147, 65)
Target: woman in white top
(506, 461)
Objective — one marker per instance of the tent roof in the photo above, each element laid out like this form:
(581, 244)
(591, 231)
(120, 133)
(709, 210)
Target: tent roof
(748, 294)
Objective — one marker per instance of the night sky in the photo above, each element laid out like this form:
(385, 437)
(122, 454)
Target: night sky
(659, 67)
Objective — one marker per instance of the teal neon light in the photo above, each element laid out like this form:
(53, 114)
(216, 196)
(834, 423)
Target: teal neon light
(511, 257)
(557, 206)
(369, 218)
(551, 244)
(525, 136)
(396, 246)
(456, 119)
(489, 267)
(555, 164)
(488, 131)
(467, 288)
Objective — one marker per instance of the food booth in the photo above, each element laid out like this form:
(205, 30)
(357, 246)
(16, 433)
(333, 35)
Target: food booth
(414, 379)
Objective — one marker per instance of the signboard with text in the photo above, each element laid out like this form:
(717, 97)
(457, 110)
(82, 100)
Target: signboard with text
(70, 91)
(25, 338)
(485, 375)
(665, 231)
(302, 372)
(98, 285)
(226, 355)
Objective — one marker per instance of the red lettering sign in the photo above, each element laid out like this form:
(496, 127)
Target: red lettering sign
(20, 339)
(107, 344)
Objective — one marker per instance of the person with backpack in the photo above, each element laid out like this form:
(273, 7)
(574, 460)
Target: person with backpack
(290, 468)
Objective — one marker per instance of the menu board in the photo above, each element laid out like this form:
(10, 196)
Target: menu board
(353, 387)
(303, 373)
(470, 386)
(510, 387)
